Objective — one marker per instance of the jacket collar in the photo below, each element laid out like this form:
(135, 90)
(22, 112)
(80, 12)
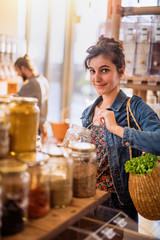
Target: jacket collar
(116, 105)
(118, 102)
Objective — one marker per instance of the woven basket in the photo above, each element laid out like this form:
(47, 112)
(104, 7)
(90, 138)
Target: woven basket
(145, 193)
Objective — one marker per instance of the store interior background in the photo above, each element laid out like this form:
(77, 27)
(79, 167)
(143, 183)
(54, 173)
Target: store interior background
(55, 34)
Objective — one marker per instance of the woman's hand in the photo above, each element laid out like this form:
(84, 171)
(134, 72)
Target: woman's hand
(110, 122)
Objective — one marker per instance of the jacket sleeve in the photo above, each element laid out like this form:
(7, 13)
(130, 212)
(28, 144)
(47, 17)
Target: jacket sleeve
(147, 140)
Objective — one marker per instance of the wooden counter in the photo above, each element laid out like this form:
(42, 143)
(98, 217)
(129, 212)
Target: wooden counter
(58, 220)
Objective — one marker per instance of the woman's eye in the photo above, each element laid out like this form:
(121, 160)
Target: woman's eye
(105, 70)
(92, 71)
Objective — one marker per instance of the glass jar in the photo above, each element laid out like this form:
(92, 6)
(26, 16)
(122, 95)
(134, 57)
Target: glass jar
(76, 134)
(61, 181)
(4, 126)
(84, 169)
(15, 196)
(39, 196)
(24, 124)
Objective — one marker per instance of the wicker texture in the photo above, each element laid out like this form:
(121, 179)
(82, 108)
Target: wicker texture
(145, 193)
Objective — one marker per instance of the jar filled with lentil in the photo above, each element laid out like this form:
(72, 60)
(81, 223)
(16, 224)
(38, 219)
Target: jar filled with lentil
(24, 117)
(15, 182)
(39, 195)
(84, 169)
(61, 181)
(4, 126)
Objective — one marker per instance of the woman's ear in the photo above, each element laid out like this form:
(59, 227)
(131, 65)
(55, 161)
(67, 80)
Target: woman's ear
(121, 71)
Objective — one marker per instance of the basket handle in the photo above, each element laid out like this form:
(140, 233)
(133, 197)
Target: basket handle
(128, 108)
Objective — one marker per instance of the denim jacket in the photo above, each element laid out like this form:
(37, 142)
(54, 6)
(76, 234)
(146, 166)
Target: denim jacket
(147, 140)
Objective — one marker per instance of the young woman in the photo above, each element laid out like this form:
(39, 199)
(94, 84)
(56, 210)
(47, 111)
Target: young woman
(110, 132)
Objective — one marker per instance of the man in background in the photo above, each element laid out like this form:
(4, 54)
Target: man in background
(33, 86)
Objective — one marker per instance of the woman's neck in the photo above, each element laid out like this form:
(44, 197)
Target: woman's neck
(108, 99)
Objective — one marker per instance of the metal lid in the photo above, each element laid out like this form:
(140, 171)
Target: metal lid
(82, 147)
(24, 99)
(5, 99)
(33, 158)
(11, 166)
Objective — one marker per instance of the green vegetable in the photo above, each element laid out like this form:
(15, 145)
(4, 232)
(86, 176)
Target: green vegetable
(141, 165)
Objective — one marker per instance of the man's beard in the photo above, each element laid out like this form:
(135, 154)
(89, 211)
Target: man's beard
(24, 77)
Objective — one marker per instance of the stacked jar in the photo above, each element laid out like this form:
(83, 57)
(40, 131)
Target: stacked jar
(84, 169)
(15, 196)
(39, 195)
(24, 117)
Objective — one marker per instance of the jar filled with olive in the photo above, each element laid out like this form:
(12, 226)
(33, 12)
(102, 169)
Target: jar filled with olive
(84, 169)
(15, 182)
(39, 196)
(24, 117)
(4, 126)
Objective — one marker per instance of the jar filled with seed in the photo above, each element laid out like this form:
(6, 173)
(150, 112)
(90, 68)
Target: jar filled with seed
(24, 116)
(39, 195)
(61, 180)
(84, 169)
(4, 126)
(15, 182)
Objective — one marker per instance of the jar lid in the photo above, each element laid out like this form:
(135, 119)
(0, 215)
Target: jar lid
(52, 150)
(82, 147)
(33, 158)
(24, 99)
(11, 166)
(5, 99)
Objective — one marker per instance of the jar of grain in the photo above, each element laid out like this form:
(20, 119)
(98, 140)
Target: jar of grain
(84, 169)
(15, 196)
(24, 117)
(61, 181)
(39, 195)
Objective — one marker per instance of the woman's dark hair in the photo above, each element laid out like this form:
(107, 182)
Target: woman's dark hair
(108, 47)
(24, 61)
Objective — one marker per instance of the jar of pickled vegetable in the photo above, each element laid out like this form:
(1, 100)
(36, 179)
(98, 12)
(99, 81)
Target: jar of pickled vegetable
(24, 116)
(84, 169)
(15, 196)
(39, 196)
(4, 126)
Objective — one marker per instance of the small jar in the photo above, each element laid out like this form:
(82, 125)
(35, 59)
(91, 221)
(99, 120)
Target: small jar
(4, 126)
(39, 196)
(84, 169)
(24, 124)
(15, 196)
(61, 181)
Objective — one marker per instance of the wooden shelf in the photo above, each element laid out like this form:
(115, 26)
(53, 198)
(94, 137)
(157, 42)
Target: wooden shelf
(58, 220)
(141, 85)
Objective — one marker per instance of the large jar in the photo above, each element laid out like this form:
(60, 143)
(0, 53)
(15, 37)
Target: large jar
(15, 196)
(39, 196)
(61, 181)
(84, 169)
(4, 126)
(24, 124)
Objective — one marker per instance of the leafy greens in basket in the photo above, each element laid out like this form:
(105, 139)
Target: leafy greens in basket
(141, 165)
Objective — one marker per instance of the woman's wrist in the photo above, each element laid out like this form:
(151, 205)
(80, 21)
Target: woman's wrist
(118, 130)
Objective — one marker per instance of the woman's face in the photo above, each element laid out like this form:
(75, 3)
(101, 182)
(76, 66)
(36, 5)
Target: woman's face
(104, 75)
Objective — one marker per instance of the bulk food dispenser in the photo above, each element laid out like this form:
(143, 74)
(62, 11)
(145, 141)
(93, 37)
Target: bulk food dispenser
(142, 48)
(128, 32)
(154, 66)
